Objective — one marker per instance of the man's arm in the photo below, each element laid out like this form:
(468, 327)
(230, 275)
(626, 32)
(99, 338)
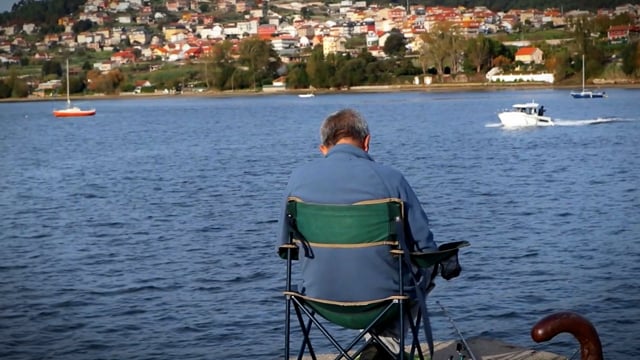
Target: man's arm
(416, 218)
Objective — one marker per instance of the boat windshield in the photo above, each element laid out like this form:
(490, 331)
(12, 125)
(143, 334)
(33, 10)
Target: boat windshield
(527, 109)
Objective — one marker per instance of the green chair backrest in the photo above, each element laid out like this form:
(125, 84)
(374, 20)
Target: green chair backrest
(361, 224)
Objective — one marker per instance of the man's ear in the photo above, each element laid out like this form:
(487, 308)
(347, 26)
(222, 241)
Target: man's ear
(323, 149)
(365, 143)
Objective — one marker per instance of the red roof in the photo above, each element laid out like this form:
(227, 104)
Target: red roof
(526, 51)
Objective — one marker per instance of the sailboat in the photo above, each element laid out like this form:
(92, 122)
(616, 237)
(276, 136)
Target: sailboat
(586, 94)
(70, 110)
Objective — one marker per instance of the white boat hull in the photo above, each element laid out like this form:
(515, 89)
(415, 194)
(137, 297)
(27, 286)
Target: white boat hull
(520, 119)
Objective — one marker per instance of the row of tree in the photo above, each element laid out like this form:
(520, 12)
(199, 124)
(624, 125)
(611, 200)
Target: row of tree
(443, 52)
(43, 13)
(257, 65)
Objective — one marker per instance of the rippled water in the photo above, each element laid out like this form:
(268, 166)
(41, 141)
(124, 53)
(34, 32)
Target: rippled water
(148, 231)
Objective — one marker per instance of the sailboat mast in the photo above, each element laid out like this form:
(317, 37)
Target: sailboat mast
(582, 72)
(68, 99)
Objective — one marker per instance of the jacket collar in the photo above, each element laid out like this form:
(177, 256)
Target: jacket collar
(348, 150)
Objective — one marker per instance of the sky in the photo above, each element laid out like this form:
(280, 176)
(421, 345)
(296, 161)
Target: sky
(5, 5)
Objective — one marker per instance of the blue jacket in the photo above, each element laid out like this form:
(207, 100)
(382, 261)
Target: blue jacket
(345, 176)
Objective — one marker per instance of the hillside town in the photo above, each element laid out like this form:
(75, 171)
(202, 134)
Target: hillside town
(134, 31)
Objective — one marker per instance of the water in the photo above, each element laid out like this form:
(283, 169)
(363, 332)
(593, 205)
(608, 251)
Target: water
(148, 231)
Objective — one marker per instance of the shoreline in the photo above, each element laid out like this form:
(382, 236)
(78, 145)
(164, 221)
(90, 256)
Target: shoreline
(448, 87)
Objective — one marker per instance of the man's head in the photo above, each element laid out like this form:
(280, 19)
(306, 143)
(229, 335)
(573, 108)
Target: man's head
(346, 126)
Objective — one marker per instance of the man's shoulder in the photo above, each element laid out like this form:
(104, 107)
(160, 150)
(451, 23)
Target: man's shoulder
(311, 165)
(355, 167)
(388, 171)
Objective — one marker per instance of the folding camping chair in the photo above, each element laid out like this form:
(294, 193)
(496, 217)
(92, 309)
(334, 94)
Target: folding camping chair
(343, 228)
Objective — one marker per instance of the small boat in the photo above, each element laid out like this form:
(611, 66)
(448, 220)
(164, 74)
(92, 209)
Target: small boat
(73, 111)
(70, 110)
(588, 94)
(308, 95)
(584, 93)
(522, 115)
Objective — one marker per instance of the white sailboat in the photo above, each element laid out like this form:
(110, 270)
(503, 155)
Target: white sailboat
(584, 93)
(70, 110)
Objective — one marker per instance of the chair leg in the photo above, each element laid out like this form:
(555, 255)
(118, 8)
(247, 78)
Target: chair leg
(306, 330)
(303, 311)
(403, 310)
(415, 342)
(415, 339)
(414, 327)
(287, 328)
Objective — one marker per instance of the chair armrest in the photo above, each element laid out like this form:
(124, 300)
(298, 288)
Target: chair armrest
(284, 249)
(429, 258)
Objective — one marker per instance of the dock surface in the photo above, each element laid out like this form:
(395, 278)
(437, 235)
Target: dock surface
(482, 348)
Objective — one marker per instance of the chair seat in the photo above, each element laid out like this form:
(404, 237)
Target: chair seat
(353, 314)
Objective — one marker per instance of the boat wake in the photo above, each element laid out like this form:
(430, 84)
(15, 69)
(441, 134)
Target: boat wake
(606, 120)
(563, 122)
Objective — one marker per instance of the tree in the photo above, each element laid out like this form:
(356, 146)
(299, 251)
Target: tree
(19, 88)
(104, 83)
(82, 26)
(434, 50)
(317, 69)
(441, 47)
(297, 77)
(219, 66)
(582, 29)
(559, 63)
(305, 13)
(52, 67)
(76, 84)
(256, 54)
(501, 61)
(455, 49)
(631, 58)
(395, 44)
(334, 62)
(479, 52)
(356, 42)
(5, 90)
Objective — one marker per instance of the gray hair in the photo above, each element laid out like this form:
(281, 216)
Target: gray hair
(346, 123)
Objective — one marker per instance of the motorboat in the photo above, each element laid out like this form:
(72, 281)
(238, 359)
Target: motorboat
(70, 110)
(308, 95)
(584, 93)
(526, 114)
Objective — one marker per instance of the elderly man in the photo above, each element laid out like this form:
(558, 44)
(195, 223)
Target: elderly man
(344, 175)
